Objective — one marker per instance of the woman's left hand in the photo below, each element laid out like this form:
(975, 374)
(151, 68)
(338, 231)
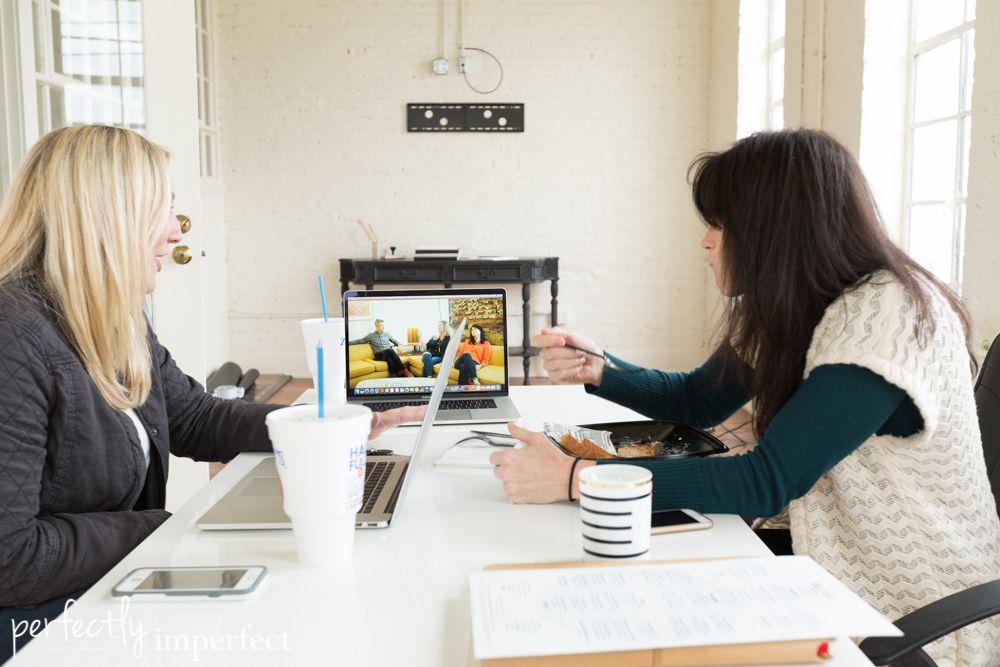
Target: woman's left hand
(538, 472)
(383, 421)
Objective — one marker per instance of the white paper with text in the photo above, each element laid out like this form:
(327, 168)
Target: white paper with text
(520, 613)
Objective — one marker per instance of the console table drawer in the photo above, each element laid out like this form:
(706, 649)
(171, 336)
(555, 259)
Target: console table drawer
(410, 273)
(487, 273)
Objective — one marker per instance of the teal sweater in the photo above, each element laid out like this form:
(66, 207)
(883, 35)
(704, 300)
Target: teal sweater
(835, 410)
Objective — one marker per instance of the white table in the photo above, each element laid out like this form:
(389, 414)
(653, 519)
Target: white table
(405, 601)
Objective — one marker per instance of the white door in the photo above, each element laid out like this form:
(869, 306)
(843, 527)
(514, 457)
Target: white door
(171, 78)
(134, 64)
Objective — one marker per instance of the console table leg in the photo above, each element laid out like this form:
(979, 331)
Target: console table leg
(555, 302)
(526, 315)
(344, 286)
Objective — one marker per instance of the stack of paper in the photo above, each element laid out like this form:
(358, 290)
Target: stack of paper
(531, 613)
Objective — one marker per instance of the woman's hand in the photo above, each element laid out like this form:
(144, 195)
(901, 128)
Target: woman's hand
(566, 365)
(538, 472)
(383, 421)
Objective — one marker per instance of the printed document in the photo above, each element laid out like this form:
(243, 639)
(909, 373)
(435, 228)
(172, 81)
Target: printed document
(523, 613)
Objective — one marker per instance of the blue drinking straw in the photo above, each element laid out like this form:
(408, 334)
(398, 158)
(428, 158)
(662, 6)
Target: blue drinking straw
(319, 377)
(322, 297)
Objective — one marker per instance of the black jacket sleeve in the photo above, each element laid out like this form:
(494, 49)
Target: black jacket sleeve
(203, 427)
(42, 557)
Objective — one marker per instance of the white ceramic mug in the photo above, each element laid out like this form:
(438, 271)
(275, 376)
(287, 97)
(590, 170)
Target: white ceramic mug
(332, 334)
(616, 502)
(321, 465)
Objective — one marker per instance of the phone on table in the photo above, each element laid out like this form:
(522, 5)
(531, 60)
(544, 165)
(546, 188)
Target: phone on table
(231, 582)
(675, 521)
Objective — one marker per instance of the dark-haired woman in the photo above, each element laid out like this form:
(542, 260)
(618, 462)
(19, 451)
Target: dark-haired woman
(472, 355)
(860, 367)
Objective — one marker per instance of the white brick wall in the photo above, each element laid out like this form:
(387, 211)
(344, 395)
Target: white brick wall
(312, 99)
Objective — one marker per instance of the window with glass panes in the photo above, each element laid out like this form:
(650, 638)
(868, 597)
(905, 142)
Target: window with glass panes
(88, 63)
(776, 65)
(942, 56)
(209, 130)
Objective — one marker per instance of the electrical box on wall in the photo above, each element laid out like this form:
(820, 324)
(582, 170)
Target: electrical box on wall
(465, 117)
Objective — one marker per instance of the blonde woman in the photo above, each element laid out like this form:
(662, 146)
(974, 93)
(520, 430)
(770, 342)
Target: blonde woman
(91, 403)
(435, 348)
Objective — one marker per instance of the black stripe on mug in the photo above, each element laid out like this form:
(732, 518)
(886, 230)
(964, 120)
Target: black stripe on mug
(587, 509)
(594, 539)
(594, 525)
(615, 500)
(600, 555)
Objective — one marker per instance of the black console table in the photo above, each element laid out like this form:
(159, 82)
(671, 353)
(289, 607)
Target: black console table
(523, 270)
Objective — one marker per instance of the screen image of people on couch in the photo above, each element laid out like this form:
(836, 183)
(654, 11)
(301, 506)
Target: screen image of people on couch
(396, 344)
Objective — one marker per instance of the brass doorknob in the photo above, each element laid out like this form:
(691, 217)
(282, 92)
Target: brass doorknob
(182, 254)
(185, 223)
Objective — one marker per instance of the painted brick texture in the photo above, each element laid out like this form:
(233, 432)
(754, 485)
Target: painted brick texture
(311, 101)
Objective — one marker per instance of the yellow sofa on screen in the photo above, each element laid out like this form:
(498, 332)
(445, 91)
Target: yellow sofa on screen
(492, 373)
(364, 366)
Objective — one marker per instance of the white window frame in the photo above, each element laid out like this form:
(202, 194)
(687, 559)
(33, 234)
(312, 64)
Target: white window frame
(955, 202)
(774, 46)
(17, 114)
(208, 134)
(11, 133)
(32, 79)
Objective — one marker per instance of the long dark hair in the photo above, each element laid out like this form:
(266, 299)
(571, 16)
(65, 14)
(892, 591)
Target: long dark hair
(800, 228)
(482, 334)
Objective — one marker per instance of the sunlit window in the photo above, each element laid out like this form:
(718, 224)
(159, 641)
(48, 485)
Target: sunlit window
(761, 66)
(942, 55)
(776, 65)
(88, 63)
(209, 130)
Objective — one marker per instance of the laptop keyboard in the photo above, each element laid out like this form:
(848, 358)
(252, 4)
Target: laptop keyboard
(467, 404)
(376, 475)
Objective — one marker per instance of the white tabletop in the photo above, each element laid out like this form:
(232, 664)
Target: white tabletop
(405, 600)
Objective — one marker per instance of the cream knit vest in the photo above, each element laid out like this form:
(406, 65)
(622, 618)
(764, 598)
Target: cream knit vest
(905, 521)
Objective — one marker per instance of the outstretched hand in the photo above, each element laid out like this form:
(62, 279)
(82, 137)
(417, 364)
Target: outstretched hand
(566, 365)
(383, 421)
(538, 472)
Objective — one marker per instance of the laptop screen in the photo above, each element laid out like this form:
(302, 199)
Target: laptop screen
(395, 342)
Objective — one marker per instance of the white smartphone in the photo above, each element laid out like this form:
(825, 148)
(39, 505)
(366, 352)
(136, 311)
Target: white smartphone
(675, 521)
(231, 582)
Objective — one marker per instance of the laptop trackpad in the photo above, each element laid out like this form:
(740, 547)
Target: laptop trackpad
(453, 415)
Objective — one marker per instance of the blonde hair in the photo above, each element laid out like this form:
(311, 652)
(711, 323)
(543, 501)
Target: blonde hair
(81, 218)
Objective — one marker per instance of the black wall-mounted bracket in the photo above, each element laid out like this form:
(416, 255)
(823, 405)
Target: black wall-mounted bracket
(465, 118)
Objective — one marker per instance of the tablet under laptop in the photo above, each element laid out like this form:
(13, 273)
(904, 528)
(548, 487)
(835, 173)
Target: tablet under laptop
(255, 503)
(393, 352)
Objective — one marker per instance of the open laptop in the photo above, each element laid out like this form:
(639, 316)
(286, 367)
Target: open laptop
(255, 503)
(413, 318)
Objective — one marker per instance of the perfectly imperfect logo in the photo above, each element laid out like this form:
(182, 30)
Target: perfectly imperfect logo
(133, 634)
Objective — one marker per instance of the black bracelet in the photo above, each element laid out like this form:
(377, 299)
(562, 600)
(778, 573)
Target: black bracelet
(572, 472)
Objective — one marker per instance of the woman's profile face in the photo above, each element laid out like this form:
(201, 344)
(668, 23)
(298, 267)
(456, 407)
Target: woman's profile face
(712, 242)
(440, 330)
(171, 234)
(477, 334)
